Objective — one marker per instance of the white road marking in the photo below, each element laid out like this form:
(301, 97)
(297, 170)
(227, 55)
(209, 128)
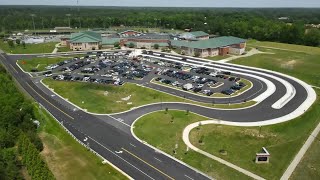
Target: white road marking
(133, 145)
(188, 177)
(157, 159)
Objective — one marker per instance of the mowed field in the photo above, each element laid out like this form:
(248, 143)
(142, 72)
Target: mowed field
(283, 141)
(29, 49)
(40, 63)
(66, 158)
(303, 65)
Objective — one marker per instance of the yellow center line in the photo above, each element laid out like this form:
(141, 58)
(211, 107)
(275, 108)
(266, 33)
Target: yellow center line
(50, 103)
(147, 163)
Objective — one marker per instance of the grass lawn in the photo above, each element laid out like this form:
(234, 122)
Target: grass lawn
(30, 48)
(40, 63)
(158, 124)
(283, 141)
(92, 96)
(291, 47)
(216, 58)
(63, 49)
(304, 66)
(310, 164)
(66, 158)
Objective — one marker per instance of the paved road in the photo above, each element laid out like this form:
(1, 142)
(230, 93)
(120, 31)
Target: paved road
(137, 160)
(108, 136)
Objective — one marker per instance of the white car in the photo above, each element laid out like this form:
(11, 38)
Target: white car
(200, 86)
(106, 75)
(48, 75)
(213, 74)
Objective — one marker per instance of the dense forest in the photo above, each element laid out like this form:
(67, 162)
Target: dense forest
(19, 143)
(260, 24)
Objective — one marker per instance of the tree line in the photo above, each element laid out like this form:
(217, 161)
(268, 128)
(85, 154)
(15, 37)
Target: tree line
(260, 24)
(18, 130)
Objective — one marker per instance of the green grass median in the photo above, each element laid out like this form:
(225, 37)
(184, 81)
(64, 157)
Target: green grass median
(99, 98)
(40, 63)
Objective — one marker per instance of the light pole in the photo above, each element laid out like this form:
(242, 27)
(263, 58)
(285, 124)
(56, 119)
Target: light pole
(68, 15)
(34, 26)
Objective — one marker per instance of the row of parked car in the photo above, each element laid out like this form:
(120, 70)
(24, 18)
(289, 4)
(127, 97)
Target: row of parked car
(235, 87)
(86, 78)
(188, 86)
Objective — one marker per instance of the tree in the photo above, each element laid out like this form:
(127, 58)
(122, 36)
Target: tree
(131, 45)
(197, 54)
(116, 44)
(312, 37)
(18, 41)
(156, 46)
(10, 43)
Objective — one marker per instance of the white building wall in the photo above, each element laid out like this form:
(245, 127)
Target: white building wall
(236, 51)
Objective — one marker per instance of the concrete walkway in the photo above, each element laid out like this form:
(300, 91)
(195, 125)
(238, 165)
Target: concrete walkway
(315, 87)
(185, 137)
(56, 48)
(301, 153)
(253, 51)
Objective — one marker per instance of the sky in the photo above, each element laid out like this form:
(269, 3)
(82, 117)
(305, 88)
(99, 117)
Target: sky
(172, 3)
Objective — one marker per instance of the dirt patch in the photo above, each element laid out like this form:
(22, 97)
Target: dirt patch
(288, 64)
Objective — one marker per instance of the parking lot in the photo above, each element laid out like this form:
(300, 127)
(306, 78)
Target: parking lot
(119, 67)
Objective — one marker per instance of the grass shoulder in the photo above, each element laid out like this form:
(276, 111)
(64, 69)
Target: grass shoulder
(66, 158)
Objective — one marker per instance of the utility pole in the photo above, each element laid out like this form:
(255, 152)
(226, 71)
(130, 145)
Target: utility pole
(34, 26)
(68, 15)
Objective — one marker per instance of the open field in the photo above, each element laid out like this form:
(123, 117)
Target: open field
(158, 124)
(40, 63)
(241, 143)
(291, 47)
(304, 66)
(66, 158)
(30, 48)
(93, 98)
(310, 164)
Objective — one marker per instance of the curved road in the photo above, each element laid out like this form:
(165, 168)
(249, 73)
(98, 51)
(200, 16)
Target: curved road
(110, 136)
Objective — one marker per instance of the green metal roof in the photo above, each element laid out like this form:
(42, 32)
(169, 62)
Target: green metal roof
(210, 43)
(152, 44)
(110, 41)
(87, 36)
(199, 33)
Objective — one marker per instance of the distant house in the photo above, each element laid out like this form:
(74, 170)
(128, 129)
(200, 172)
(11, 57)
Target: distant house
(87, 40)
(212, 47)
(195, 35)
